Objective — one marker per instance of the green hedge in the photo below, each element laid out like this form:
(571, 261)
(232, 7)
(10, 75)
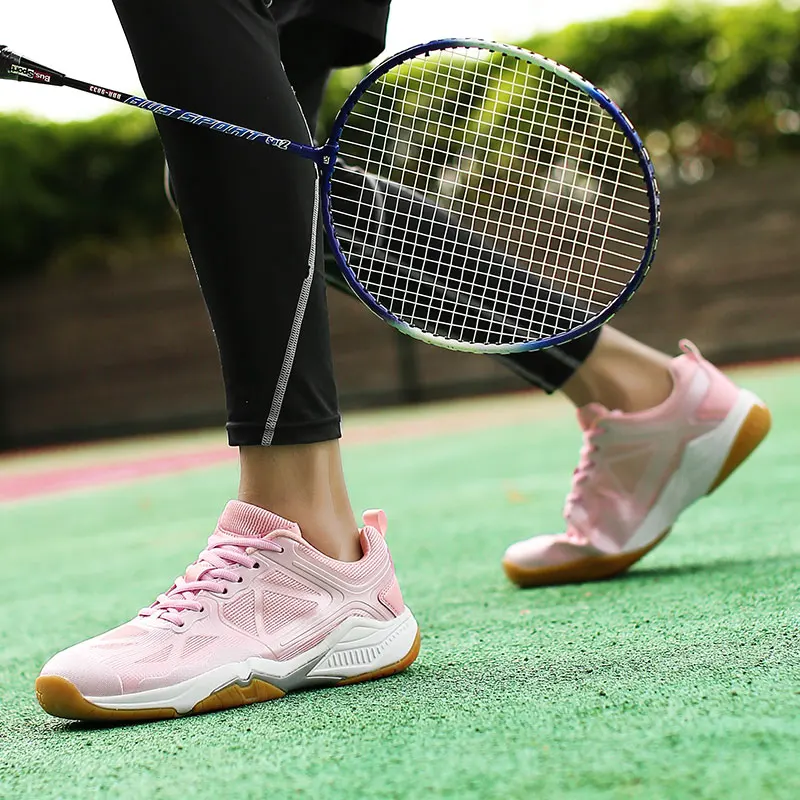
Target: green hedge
(66, 185)
(727, 78)
(705, 84)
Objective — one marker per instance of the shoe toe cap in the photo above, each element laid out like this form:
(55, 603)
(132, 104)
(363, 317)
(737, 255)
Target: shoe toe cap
(90, 677)
(546, 551)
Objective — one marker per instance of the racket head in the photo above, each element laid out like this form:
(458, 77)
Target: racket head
(367, 284)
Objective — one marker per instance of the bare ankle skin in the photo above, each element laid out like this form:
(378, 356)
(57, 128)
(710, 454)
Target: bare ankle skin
(621, 373)
(305, 484)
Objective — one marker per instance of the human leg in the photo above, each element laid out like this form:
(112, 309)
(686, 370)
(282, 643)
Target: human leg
(254, 246)
(295, 596)
(621, 373)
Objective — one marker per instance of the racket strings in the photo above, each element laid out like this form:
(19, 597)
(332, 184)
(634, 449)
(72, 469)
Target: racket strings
(524, 211)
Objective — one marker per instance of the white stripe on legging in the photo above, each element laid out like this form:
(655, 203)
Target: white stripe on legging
(294, 336)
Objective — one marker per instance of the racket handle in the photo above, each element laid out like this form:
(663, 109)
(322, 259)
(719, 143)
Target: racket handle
(17, 68)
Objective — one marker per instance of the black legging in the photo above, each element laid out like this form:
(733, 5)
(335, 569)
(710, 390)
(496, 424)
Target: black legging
(249, 212)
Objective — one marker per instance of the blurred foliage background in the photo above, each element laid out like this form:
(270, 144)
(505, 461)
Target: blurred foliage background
(707, 86)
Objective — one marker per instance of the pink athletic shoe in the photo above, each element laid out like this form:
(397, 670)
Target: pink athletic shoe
(259, 614)
(638, 472)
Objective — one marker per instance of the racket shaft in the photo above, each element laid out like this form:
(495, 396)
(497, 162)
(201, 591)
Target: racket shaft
(16, 67)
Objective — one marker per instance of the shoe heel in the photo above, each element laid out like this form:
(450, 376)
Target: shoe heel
(755, 427)
(384, 672)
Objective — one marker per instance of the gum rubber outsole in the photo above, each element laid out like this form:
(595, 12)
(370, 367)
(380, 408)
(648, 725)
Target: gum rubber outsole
(751, 433)
(586, 569)
(392, 669)
(61, 698)
(755, 427)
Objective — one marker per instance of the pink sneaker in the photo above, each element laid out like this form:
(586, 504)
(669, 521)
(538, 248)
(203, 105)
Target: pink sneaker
(638, 472)
(259, 614)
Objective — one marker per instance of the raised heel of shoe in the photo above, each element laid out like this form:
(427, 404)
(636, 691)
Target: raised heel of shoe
(751, 433)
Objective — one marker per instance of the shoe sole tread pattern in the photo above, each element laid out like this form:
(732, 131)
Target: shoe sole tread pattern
(751, 433)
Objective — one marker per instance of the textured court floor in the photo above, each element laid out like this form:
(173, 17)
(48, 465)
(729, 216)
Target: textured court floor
(681, 680)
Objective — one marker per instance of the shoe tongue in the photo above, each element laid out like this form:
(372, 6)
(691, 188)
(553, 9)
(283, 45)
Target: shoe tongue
(243, 519)
(589, 415)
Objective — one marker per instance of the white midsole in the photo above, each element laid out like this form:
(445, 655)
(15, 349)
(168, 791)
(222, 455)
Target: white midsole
(699, 468)
(358, 646)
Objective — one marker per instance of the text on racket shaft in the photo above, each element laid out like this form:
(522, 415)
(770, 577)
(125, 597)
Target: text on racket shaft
(30, 74)
(207, 122)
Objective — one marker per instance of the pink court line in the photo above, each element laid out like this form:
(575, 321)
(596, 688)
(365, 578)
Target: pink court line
(50, 481)
(35, 483)
(29, 483)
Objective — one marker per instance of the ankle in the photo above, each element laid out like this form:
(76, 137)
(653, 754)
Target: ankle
(304, 484)
(648, 390)
(336, 536)
(622, 374)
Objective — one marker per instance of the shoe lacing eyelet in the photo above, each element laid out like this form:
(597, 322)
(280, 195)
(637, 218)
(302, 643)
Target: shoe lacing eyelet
(256, 565)
(240, 579)
(225, 590)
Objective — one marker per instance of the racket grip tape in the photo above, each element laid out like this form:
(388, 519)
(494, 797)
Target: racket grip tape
(17, 68)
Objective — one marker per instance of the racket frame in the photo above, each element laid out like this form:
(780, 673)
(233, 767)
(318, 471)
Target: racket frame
(646, 165)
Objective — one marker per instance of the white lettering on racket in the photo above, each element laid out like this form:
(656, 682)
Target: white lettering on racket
(105, 92)
(24, 72)
(30, 74)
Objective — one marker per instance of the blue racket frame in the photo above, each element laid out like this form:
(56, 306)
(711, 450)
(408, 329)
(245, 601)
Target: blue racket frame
(327, 160)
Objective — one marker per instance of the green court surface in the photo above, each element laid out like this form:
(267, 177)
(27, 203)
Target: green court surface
(680, 680)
